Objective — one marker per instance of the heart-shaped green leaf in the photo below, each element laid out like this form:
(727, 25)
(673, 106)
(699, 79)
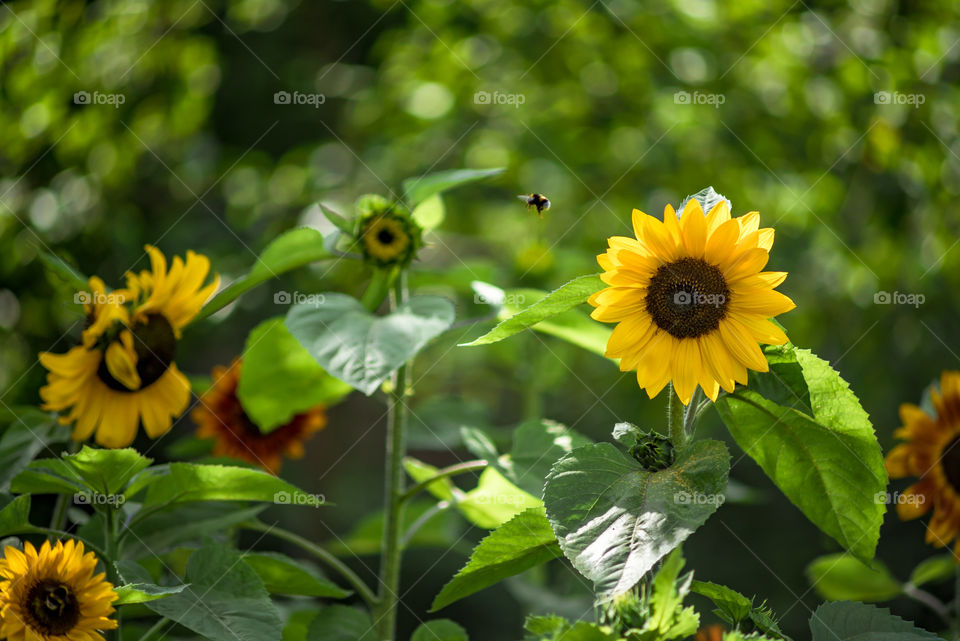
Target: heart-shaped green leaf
(359, 348)
(615, 520)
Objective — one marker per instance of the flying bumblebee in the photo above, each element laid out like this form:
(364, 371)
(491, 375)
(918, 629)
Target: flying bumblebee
(541, 202)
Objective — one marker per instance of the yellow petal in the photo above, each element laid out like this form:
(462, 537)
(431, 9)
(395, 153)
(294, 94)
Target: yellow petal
(121, 359)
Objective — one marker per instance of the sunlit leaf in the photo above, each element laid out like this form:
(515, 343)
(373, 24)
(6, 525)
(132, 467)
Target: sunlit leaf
(419, 189)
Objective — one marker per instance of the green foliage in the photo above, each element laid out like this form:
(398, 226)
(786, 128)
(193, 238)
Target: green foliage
(662, 608)
(140, 592)
(90, 471)
(282, 575)
(29, 433)
(847, 621)
(15, 517)
(341, 623)
(936, 568)
(495, 500)
(359, 348)
(841, 577)
(292, 249)
(420, 472)
(554, 628)
(418, 190)
(733, 606)
(439, 630)
(521, 543)
(280, 379)
(225, 599)
(574, 293)
(615, 520)
(827, 462)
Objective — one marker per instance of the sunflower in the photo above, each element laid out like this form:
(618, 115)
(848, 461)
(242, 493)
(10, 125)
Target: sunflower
(53, 594)
(123, 373)
(220, 416)
(689, 299)
(932, 454)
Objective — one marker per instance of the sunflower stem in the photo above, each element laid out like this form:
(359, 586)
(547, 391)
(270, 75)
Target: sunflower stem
(675, 418)
(323, 555)
(692, 413)
(385, 614)
(159, 625)
(379, 287)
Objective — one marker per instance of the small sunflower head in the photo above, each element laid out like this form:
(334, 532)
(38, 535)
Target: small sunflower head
(653, 452)
(387, 233)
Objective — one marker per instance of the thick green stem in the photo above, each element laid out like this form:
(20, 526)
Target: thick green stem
(675, 412)
(385, 614)
(323, 555)
(692, 413)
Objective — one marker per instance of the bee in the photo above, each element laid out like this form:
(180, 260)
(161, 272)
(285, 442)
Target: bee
(541, 202)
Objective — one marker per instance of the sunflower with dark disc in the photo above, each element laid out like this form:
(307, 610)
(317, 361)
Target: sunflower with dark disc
(221, 417)
(387, 233)
(690, 299)
(123, 373)
(931, 454)
(53, 594)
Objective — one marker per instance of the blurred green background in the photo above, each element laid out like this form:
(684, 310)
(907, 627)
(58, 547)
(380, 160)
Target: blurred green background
(837, 121)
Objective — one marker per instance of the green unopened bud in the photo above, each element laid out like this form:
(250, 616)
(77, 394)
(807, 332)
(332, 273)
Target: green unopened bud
(387, 233)
(653, 452)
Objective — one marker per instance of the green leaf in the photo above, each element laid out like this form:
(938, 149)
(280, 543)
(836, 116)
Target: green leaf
(166, 529)
(828, 464)
(298, 623)
(30, 432)
(707, 198)
(615, 520)
(430, 213)
(362, 349)
(846, 621)
(339, 221)
(280, 379)
(734, 605)
(495, 500)
(440, 531)
(15, 517)
(64, 270)
(341, 623)
(784, 384)
(291, 249)
(439, 630)
(282, 575)
(139, 591)
(667, 618)
(187, 482)
(841, 577)
(419, 189)
(419, 471)
(554, 628)
(537, 445)
(936, 568)
(521, 543)
(225, 601)
(560, 300)
(106, 471)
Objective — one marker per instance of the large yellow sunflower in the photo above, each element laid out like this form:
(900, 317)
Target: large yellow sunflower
(220, 416)
(932, 454)
(53, 594)
(690, 300)
(123, 373)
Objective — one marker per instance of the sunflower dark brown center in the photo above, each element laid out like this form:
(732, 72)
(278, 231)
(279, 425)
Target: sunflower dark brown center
(156, 347)
(687, 298)
(950, 462)
(385, 236)
(53, 607)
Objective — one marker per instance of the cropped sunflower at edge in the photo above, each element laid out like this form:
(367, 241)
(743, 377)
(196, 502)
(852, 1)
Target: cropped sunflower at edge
(53, 594)
(931, 453)
(123, 374)
(690, 299)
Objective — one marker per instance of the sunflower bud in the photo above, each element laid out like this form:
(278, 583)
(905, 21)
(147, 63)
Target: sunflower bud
(653, 452)
(387, 233)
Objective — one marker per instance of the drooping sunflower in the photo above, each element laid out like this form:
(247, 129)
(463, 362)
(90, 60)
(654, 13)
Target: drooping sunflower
(932, 455)
(220, 416)
(690, 300)
(123, 373)
(53, 594)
